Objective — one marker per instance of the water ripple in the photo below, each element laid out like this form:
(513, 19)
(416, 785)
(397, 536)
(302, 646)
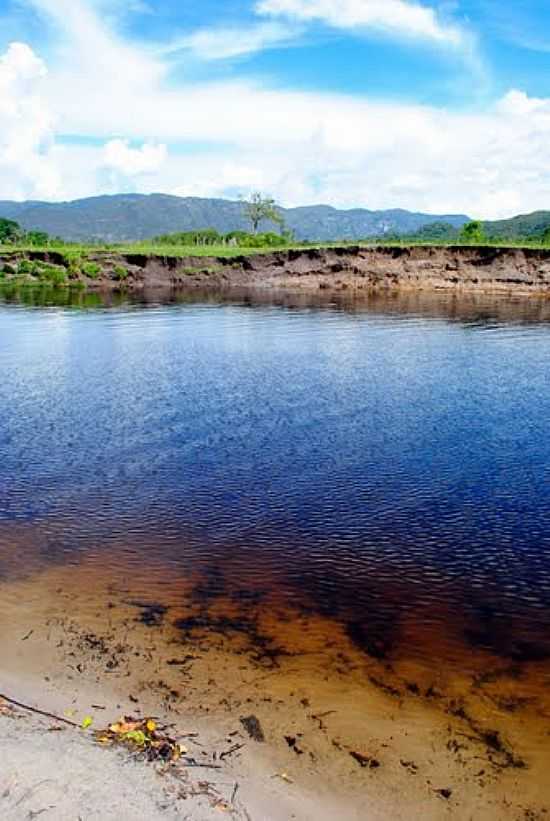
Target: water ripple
(345, 453)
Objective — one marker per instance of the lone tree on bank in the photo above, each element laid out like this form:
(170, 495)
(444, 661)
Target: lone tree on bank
(260, 208)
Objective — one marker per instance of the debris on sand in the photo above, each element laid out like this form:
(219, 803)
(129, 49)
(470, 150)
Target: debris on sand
(6, 709)
(365, 760)
(142, 737)
(253, 727)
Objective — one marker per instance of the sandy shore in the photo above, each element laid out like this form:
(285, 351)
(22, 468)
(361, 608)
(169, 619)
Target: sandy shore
(52, 771)
(345, 735)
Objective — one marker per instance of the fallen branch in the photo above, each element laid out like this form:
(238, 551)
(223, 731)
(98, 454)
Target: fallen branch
(232, 750)
(37, 711)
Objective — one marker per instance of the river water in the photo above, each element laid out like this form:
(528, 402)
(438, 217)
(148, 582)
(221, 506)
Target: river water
(379, 463)
(286, 470)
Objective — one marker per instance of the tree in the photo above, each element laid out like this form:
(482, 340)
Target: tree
(260, 208)
(472, 232)
(39, 238)
(10, 231)
(436, 232)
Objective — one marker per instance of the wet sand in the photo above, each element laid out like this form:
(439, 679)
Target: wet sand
(431, 728)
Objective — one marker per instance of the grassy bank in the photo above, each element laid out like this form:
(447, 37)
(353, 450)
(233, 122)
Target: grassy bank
(82, 252)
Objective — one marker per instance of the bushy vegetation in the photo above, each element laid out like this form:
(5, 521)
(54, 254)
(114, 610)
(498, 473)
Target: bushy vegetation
(475, 233)
(259, 209)
(91, 269)
(10, 232)
(37, 269)
(120, 273)
(209, 238)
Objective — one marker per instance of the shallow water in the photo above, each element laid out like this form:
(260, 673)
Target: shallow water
(383, 464)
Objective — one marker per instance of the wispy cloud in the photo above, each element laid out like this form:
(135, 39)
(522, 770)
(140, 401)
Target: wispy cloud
(226, 43)
(401, 18)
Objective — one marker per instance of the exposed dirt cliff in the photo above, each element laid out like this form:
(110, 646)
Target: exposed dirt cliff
(463, 268)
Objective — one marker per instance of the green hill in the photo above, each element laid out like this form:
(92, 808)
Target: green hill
(526, 226)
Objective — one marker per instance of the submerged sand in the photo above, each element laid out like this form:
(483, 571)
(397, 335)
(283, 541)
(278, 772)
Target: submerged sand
(344, 734)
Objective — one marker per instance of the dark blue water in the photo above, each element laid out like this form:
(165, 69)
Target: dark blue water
(332, 451)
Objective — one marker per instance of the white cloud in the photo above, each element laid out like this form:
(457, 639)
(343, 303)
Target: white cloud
(119, 156)
(225, 43)
(303, 147)
(26, 127)
(349, 154)
(403, 18)
(220, 177)
(519, 104)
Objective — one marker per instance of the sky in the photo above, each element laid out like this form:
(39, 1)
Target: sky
(441, 107)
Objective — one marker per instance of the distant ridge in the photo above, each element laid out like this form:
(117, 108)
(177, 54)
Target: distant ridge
(130, 217)
(532, 226)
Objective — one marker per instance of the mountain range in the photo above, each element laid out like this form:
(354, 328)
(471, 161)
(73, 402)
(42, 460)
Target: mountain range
(131, 217)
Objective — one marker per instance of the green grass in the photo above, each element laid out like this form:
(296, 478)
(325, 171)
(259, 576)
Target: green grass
(503, 244)
(80, 254)
(227, 251)
(77, 258)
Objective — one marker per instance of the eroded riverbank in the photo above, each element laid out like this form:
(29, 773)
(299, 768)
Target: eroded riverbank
(359, 269)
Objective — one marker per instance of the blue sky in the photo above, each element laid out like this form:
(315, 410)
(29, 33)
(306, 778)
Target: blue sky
(442, 107)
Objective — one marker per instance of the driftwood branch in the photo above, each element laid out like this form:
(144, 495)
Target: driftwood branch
(37, 711)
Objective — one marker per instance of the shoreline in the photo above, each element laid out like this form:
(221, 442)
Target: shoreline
(354, 269)
(343, 731)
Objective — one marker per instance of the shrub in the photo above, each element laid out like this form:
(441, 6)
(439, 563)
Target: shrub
(268, 240)
(25, 266)
(73, 265)
(91, 270)
(49, 273)
(9, 269)
(206, 236)
(36, 238)
(120, 273)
